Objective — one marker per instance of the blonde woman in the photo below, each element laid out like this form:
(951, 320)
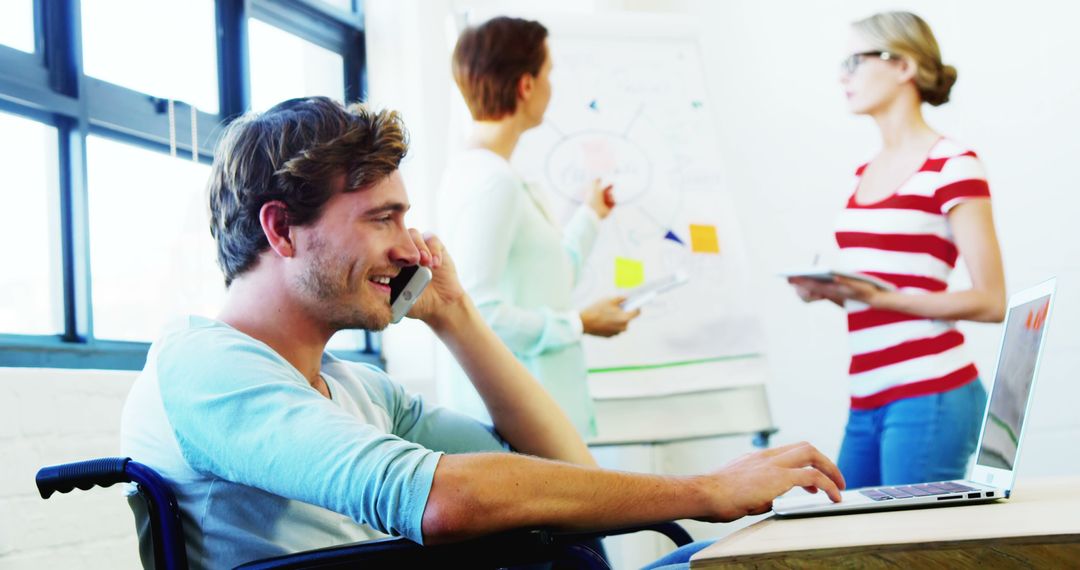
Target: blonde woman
(918, 206)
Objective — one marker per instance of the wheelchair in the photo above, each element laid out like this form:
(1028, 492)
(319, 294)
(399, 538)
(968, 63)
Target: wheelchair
(501, 550)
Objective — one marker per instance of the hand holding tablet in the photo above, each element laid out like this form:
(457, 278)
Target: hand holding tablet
(826, 275)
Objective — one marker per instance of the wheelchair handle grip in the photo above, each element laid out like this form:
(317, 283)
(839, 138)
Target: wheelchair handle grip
(82, 474)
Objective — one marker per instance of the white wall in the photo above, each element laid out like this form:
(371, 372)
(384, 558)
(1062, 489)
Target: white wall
(58, 416)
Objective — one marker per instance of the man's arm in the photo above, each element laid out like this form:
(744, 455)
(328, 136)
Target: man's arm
(477, 494)
(523, 412)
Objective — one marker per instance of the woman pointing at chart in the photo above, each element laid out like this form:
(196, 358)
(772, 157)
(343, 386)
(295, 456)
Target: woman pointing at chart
(921, 203)
(518, 265)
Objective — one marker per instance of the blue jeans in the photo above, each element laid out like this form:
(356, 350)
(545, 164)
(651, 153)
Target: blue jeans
(678, 559)
(914, 440)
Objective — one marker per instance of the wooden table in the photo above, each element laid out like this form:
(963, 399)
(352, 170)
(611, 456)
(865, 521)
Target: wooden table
(1038, 528)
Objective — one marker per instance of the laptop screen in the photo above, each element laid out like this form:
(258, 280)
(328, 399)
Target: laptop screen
(1012, 384)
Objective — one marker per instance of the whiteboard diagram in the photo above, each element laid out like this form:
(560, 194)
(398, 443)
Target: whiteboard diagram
(635, 112)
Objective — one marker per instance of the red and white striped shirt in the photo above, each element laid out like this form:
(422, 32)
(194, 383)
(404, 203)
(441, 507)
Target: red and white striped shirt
(905, 239)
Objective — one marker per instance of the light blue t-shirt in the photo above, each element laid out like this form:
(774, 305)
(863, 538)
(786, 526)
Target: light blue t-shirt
(264, 465)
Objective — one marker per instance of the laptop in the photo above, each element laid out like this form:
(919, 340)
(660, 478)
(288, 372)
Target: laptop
(993, 473)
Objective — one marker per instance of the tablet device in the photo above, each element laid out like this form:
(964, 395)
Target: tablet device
(826, 275)
(649, 291)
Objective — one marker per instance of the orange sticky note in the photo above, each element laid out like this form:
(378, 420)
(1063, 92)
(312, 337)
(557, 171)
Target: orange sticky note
(629, 273)
(703, 239)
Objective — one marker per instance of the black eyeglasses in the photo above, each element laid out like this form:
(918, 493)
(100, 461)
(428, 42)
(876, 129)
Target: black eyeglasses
(853, 61)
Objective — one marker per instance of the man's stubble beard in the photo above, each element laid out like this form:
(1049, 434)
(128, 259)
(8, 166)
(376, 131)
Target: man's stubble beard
(328, 285)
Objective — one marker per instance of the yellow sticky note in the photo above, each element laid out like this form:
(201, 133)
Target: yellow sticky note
(703, 239)
(629, 273)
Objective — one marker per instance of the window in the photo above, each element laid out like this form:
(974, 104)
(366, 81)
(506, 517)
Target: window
(17, 25)
(284, 66)
(29, 281)
(159, 47)
(169, 270)
(109, 228)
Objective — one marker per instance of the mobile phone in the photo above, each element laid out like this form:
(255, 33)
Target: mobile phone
(405, 288)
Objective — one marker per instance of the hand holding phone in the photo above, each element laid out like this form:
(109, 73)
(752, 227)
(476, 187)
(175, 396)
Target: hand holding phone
(406, 288)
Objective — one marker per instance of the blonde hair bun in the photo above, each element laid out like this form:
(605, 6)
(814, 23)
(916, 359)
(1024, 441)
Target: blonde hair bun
(908, 35)
(939, 94)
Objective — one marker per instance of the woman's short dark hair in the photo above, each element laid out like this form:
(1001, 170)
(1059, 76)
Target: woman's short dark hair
(291, 153)
(489, 59)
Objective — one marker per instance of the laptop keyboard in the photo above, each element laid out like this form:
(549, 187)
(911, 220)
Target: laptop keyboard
(910, 491)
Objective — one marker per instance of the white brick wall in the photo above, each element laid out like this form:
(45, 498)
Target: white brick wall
(57, 416)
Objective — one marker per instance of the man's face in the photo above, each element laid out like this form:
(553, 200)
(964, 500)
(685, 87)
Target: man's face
(349, 255)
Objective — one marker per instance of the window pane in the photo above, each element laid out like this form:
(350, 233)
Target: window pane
(160, 47)
(30, 280)
(312, 70)
(17, 24)
(151, 254)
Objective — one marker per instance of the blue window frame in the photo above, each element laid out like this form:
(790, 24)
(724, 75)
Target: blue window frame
(48, 85)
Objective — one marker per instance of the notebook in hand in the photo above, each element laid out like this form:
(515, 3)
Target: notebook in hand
(992, 476)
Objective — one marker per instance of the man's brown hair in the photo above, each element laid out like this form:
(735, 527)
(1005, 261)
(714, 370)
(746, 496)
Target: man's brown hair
(291, 153)
(489, 59)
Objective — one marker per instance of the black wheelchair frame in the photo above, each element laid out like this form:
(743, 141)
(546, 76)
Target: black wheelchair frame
(511, 548)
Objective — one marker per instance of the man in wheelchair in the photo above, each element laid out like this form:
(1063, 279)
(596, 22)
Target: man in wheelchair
(274, 446)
